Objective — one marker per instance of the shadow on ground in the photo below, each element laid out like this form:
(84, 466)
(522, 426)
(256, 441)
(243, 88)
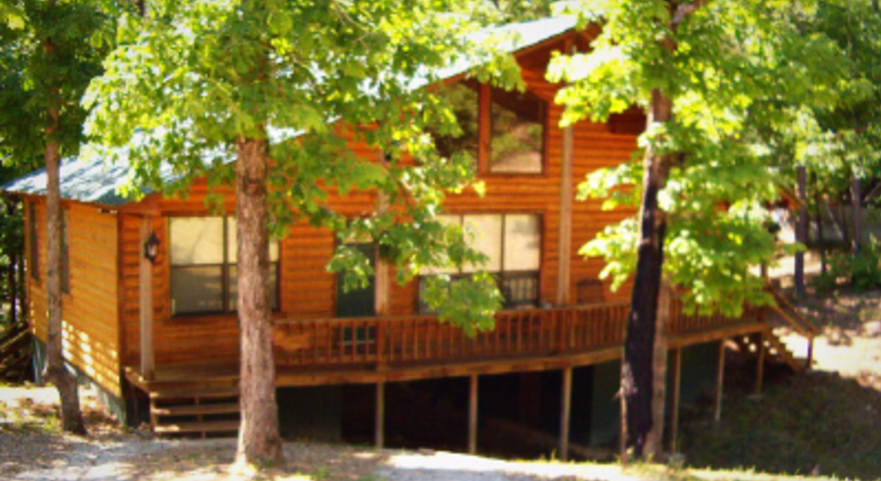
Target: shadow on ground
(818, 423)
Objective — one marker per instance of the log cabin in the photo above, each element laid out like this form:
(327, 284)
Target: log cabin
(149, 289)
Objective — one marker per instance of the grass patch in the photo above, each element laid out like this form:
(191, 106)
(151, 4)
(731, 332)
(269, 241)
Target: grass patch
(817, 424)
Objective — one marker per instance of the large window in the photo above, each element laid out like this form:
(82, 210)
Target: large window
(513, 132)
(516, 132)
(512, 243)
(204, 265)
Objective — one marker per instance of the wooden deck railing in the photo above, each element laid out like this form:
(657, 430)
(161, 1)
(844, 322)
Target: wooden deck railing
(422, 339)
(682, 323)
(413, 340)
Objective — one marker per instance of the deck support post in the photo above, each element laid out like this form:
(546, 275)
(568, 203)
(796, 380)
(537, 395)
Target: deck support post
(380, 414)
(677, 391)
(472, 415)
(565, 413)
(760, 366)
(145, 267)
(564, 246)
(720, 382)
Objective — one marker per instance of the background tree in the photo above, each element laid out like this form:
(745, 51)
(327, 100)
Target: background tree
(12, 289)
(850, 131)
(51, 49)
(709, 75)
(281, 87)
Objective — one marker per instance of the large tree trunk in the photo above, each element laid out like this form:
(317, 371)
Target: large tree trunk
(655, 444)
(639, 346)
(856, 214)
(259, 440)
(801, 231)
(818, 217)
(55, 372)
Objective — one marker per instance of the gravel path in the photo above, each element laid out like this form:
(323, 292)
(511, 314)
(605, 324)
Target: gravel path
(139, 460)
(33, 448)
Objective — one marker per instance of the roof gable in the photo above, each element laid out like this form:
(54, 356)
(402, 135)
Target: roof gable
(95, 181)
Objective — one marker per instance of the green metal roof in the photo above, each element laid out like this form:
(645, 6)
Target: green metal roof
(96, 181)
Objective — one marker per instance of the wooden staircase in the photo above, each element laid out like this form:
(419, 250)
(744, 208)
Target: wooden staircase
(15, 353)
(775, 350)
(204, 412)
(206, 406)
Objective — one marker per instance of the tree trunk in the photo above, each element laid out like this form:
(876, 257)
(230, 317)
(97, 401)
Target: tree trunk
(801, 231)
(842, 222)
(639, 345)
(821, 241)
(55, 372)
(259, 440)
(856, 214)
(655, 445)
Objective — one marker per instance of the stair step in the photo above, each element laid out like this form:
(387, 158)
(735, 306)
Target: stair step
(197, 409)
(183, 393)
(198, 427)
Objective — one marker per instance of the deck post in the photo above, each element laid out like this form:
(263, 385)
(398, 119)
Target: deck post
(472, 415)
(565, 414)
(677, 388)
(380, 414)
(760, 367)
(720, 381)
(145, 267)
(564, 246)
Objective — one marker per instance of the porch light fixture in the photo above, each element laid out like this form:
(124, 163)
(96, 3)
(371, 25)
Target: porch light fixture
(151, 248)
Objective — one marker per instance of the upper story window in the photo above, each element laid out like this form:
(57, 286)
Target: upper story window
(512, 243)
(33, 246)
(204, 274)
(463, 98)
(509, 125)
(517, 132)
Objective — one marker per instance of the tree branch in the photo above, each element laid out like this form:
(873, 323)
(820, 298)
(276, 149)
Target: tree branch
(683, 10)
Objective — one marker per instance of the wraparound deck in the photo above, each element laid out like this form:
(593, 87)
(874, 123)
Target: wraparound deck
(400, 348)
(378, 350)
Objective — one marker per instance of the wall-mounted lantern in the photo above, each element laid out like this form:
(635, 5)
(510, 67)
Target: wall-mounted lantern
(151, 248)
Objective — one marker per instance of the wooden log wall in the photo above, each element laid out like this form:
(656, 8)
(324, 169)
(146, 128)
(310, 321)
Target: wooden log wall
(91, 329)
(308, 291)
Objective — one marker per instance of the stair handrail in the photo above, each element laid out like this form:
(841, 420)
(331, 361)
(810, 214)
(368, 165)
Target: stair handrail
(797, 321)
(791, 315)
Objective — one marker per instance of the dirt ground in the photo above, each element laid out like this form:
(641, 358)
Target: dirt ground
(32, 447)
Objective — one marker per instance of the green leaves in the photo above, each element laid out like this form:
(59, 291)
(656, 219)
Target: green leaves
(745, 79)
(335, 87)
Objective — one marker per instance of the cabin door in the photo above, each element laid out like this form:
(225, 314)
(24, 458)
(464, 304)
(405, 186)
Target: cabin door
(361, 302)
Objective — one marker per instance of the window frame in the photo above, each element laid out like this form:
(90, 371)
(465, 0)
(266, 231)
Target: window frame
(485, 104)
(225, 265)
(502, 274)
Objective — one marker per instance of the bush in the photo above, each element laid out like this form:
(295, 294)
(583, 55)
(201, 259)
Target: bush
(863, 271)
